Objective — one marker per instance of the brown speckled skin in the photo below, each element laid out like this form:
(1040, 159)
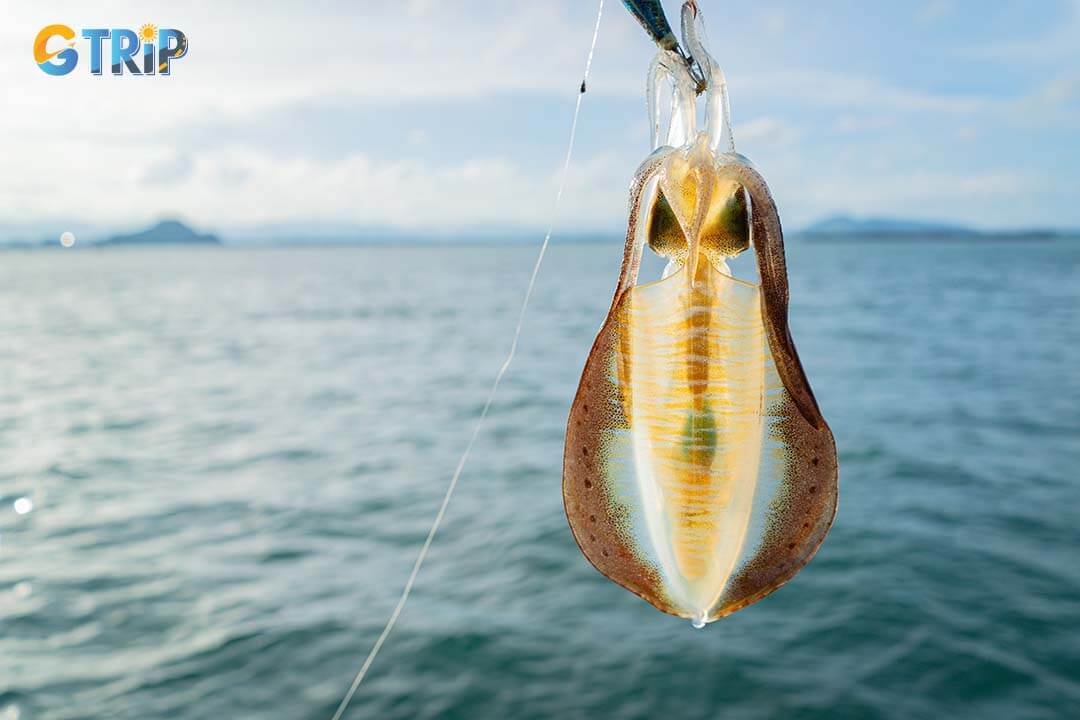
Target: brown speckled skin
(804, 506)
(802, 514)
(598, 532)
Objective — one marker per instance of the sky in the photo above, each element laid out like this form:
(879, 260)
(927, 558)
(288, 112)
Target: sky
(425, 116)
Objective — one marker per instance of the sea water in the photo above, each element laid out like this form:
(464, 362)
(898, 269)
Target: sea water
(218, 465)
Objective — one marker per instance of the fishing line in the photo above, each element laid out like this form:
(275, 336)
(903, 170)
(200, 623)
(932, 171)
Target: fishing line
(407, 590)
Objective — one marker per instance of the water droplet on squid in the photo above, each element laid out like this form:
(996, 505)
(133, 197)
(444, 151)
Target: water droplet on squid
(698, 622)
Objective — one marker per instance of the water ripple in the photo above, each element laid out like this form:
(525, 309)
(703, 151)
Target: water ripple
(231, 458)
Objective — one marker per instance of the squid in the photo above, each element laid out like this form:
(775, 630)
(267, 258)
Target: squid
(698, 470)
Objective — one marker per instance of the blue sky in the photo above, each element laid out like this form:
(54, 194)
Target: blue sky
(428, 115)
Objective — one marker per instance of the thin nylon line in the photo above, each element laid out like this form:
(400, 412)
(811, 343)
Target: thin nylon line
(490, 398)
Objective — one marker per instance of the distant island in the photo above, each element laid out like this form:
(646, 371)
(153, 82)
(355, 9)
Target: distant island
(846, 226)
(301, 233)
(166, 232)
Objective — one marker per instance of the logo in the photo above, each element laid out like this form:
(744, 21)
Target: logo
(146, 52)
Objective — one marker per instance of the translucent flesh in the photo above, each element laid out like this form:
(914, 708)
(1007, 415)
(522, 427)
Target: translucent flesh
(692, 371)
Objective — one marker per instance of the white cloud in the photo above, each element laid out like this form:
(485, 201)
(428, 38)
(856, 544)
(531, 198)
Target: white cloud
(1056, 44)
(823, 88)
(118, 150)
(242, 186)
(934, 10)
(1058, 91)
(169, 170)
(933, 194)
(767, 132)
(853, 123)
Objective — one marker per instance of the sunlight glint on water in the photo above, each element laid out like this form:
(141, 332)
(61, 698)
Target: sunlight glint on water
(232, 456)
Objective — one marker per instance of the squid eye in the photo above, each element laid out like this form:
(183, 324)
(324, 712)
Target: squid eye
(726, 231)
(662, 229)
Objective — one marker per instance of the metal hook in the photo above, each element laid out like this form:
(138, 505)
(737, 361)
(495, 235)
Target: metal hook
(650, 13)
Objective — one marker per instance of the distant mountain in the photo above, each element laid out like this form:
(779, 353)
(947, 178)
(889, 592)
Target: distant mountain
(46, 234)
(847, 225)
(166, 232)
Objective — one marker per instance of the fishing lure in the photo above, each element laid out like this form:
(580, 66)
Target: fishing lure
(698, 470)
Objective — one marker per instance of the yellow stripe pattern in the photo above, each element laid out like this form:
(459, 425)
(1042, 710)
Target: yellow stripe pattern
(691, 370)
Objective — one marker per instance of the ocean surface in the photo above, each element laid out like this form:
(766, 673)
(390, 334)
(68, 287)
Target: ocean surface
(217, 466)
